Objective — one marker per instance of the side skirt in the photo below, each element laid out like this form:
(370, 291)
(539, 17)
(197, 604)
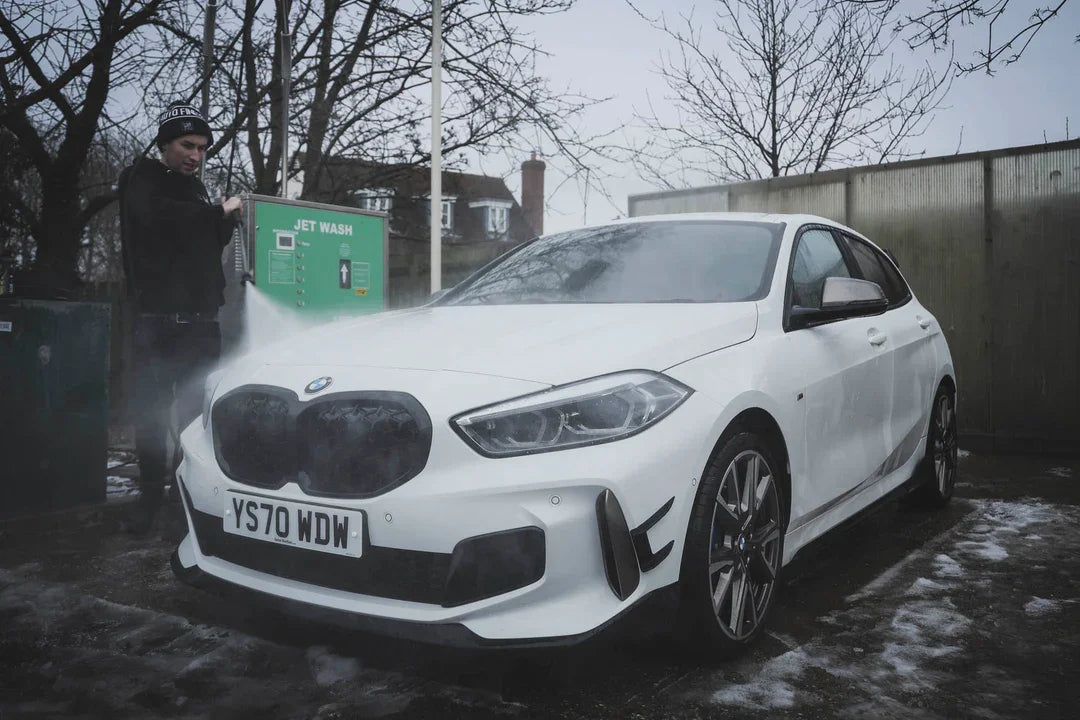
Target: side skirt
(855, 518)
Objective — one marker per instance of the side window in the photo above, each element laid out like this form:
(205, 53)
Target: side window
(817, 257)
(875, 267)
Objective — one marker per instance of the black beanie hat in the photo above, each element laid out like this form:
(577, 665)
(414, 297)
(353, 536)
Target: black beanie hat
(181, 118)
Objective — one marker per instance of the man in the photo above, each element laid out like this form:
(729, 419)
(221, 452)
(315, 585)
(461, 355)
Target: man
(172, 236)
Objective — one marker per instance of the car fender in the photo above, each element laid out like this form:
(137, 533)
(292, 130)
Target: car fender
(743, 389)
(945, 369)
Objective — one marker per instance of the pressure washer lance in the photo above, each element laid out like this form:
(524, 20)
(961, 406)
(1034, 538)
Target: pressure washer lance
(245, 276)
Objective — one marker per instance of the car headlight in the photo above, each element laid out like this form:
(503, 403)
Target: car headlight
(209, 388)
(606, 408)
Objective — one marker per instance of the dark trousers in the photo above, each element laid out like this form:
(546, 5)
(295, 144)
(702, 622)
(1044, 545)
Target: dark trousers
(171, 362)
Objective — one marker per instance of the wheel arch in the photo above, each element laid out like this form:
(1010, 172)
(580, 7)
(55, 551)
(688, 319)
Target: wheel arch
(759, 421)
(950, 383)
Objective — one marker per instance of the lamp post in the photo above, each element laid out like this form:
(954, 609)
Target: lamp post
(208, 63)
(286, 72)
(436, 145)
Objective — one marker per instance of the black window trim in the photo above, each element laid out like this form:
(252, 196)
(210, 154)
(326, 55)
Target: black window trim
(849, 261)
(880, 254)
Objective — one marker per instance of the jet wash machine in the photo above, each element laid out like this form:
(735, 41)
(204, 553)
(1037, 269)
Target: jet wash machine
(320, 260)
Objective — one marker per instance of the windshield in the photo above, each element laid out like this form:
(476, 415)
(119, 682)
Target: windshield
(649, 262)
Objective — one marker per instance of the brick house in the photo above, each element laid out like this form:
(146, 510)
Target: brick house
(475, 208)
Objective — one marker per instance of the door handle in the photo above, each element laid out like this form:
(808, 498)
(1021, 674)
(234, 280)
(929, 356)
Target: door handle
(923, 322)
(876, 338)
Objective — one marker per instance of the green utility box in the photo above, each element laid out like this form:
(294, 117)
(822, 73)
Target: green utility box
(318, 259)
(54, 371)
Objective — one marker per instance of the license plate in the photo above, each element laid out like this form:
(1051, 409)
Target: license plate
(312, 527)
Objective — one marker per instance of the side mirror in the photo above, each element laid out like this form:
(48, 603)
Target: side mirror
(851, 293)
(842, 298)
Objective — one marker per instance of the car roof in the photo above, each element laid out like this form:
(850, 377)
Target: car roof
(795, 219)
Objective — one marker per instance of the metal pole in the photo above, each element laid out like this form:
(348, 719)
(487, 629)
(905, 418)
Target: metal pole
(286, 72)
(208, 62)
(436, 145)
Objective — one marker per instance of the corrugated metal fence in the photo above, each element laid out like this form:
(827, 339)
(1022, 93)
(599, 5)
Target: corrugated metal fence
(990, 242)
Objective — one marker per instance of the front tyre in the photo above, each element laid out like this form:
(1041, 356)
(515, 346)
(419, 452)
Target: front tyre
(939, 469)
(734, 547)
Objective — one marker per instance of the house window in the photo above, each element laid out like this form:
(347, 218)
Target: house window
(448, 214)
(494, 215)
(376, 200)
(498, 218)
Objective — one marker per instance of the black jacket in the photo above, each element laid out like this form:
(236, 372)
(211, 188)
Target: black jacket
(171, 236)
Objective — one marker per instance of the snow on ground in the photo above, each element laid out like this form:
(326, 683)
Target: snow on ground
(984, 549)
(1061, 472)
(945, 566)
(118, 488)
(915, 624)
(328, 668)
(1042, 606)
(773, 689)
(119, 458)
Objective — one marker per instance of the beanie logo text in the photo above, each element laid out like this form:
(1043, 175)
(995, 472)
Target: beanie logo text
(179, 111)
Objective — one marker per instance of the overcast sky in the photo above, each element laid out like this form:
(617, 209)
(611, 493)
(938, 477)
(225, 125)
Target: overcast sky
(601, 48)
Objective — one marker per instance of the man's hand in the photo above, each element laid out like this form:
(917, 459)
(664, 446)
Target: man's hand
(231, 205)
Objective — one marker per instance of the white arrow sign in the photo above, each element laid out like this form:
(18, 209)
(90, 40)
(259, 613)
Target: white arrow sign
(345, 273)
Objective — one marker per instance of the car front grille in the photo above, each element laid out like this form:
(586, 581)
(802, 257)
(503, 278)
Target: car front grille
(354, 445)
(251, 437)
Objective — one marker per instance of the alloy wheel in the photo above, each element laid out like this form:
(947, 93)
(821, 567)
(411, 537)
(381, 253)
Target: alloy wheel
(744, 545)
(945, 448)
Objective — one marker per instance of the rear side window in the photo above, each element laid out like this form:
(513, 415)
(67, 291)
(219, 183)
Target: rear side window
(816, 258)
(876, 267)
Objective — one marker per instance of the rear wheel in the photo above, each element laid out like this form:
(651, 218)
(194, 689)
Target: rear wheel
(940, 466)
(734, 547)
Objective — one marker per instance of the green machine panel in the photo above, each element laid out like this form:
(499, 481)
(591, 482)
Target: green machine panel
(318, 259)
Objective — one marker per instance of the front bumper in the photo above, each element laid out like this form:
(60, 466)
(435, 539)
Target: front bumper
(653, 610)
(415, 533)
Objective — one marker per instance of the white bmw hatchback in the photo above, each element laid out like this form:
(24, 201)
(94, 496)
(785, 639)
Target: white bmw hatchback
(669, 403)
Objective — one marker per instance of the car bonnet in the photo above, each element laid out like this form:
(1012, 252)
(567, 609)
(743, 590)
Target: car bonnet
(551, 344)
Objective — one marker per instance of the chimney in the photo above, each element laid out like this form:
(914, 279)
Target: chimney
(532, 193)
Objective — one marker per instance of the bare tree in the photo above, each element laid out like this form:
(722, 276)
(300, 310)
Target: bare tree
(1009, 29)
(798, 86)
(60, 62)
(19, 200)
(100, 259)
(360, 74)
(77, 79)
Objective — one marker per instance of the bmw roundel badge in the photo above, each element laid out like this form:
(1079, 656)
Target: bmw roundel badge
(318, 384)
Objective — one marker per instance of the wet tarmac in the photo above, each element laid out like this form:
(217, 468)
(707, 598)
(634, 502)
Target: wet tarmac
(972, 611)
